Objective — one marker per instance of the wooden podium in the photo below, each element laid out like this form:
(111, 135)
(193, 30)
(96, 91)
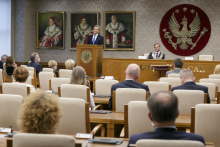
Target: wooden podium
(90, 58)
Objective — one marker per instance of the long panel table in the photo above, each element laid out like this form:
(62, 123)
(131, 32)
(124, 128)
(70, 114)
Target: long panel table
(116, 67)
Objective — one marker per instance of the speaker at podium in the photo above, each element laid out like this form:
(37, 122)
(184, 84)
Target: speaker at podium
(90, 58)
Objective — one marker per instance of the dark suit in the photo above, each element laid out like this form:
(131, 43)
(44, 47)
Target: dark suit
(127, 84)
(98, 41)
(151, 57)
(1, 65)
(167, 134)
(192, 86)
(10, 70)
(35, 65)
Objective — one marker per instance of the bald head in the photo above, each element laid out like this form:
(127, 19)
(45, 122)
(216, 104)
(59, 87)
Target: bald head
(133, 71)
(163, 106)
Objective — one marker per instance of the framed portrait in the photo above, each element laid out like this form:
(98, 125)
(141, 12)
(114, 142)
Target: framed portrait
(81, 26)
(119, 30)
(50, 30)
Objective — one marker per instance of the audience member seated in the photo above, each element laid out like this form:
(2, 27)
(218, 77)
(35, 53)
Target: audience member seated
(132, 73)
(178, 64)
(217, 69)
(3, 60)
(40, 113)
(34, 62)
(187, 79)
(163, 107)
(53, 64)
(79, 77)
(10, 65)
(69, 64)
(20, 75)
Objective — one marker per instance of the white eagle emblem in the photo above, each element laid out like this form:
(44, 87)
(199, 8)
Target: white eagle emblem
(184, 36)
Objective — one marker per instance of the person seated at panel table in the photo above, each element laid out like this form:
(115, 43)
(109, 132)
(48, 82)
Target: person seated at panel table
(3, 60)
(157, 54)
(178, 64)
(35, 59)
(20, 75)
(79, 78)
(132, 73)
(187, 79)
(69, 64)
(40, 113)
(163, 107)
(10, 65)
(53, 64)
(217, 69)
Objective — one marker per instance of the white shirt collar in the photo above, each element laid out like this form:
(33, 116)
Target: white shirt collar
(95, 36)
(129, 80)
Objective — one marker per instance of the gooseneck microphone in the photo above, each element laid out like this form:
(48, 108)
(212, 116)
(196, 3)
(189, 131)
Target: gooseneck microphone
(7, 127)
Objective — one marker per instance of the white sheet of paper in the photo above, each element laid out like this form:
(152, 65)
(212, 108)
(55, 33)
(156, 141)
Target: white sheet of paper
(6, 130)
(188, 58)
(81, 135)
(109, 78)
(142, 57)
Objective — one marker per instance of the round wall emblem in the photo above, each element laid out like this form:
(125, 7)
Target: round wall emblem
(86, 56)
(185, 30)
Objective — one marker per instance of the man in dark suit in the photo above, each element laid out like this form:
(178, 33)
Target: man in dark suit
(157, 54)
(163, 107)
(95, 38)
(187, 79)
(132, 73)
(34, 62)
(3, 60)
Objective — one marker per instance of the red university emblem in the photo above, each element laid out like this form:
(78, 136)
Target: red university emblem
(185, 30)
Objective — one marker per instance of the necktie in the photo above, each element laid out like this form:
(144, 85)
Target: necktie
(156, 55)
(93, 39)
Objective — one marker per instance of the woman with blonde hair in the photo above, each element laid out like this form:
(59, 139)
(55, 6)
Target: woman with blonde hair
(217, 69)
(79, 77)
(20, 75)
(53, 64)
(40, 113)
(69, 64)
(10, 65)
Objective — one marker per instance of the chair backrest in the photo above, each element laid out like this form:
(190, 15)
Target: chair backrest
(31, 69)
(65, 73)
(215, 81)
(9, 108)
(47, 70)
(172, 81)
(30, 81)
(75, 91)
(75, 117)
(214, 76)
(103, 87)
(207, 120)
(168, 143)
(16, 88)
(24, 65)
(44, 78)
(155, 86)
(1, 76)
(212, 89)
(42, 140)
(56, 82)
(123, 96)
(206, 57)
(188, 99)
(136, 110)
(173, 75)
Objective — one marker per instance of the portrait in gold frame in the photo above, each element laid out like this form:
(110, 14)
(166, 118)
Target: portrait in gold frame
(119, 30)
(50, 30)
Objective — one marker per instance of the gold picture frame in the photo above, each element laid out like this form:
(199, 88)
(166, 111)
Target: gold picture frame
(119, 30)
(81, 26)
(50, 30)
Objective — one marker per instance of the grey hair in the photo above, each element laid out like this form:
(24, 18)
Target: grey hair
(133, 70)
(33, 56)
(156, 44)
(98, 27)
(163, 106)
(78, 76)
(186, 73)
(4, 56)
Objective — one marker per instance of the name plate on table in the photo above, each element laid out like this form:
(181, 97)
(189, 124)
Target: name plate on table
(188, 58)
(142, 57)
(100, 112)
(105, 141)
